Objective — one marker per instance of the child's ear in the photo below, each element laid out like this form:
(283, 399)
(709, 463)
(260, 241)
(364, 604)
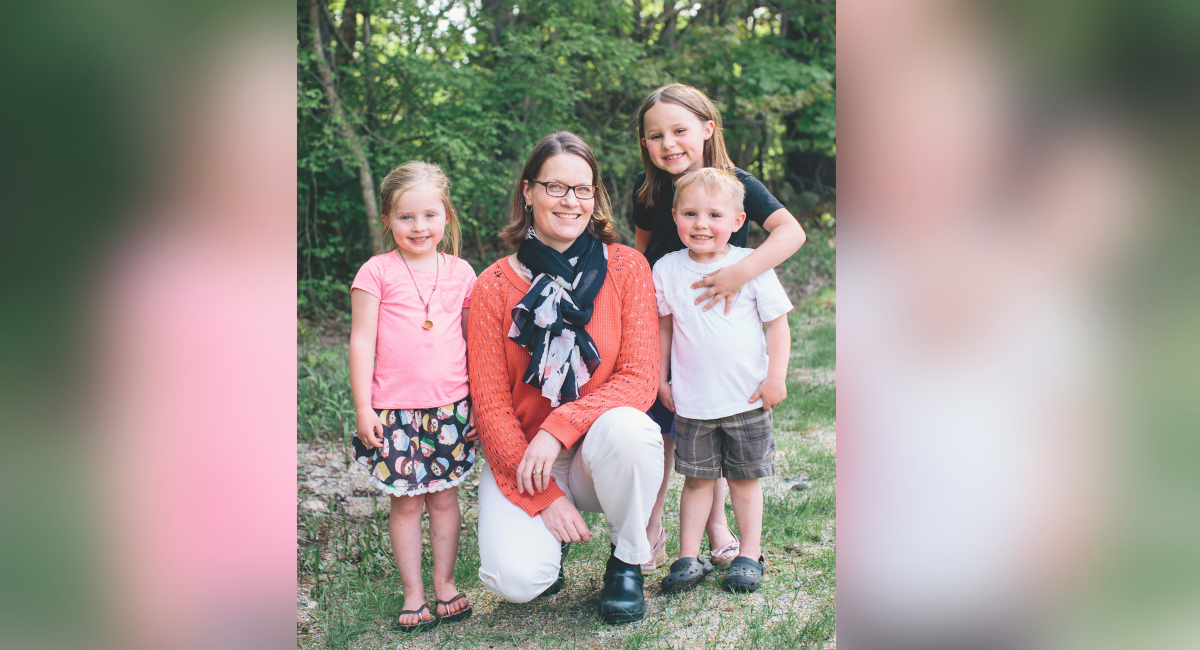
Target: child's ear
(709, 127)
(674, 216)
(738, 221)
(643, 141)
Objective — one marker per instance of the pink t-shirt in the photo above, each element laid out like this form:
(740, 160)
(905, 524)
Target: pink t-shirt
(417, 367)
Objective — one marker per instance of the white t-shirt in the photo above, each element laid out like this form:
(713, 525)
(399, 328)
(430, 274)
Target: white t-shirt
(717, 361)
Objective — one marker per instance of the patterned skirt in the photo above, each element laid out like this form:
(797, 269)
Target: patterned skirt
(424, 450)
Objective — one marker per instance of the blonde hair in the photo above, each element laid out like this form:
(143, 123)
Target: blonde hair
(715, 182)
(702, 107)
(520, 219)
(404, 178)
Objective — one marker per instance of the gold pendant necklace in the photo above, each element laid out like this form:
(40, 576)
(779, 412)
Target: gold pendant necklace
(428, 324)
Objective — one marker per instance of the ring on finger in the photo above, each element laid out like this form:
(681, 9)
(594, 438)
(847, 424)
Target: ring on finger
(537, 472)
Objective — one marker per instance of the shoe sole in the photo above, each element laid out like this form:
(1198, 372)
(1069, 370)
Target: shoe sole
(620, 617)
(654, 565)
(659, 560)
(454, 618)
(685, 584)
(742, 588)
(420, 627)
(723, 563)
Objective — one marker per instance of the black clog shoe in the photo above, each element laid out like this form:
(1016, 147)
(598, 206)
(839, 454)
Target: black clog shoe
(621, 599)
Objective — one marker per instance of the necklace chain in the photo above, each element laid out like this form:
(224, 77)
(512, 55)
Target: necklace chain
(428, 323)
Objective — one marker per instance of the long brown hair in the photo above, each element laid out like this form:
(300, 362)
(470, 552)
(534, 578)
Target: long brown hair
(702, 107)
(520, 220)
(402, 179)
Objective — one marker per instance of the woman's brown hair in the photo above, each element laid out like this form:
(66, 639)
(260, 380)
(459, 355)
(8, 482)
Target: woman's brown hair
(402, 179)
(702, 107)
(520, 219)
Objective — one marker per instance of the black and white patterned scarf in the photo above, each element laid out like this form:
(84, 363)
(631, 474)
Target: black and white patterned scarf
(549, 320)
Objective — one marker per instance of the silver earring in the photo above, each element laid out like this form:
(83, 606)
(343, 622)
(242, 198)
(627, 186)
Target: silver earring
(528, 208)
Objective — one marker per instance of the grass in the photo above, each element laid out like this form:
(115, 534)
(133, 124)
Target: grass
(325, 409)
(345, 565)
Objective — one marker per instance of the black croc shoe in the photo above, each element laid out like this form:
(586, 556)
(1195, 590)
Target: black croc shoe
(686, 573)
(622, 599)
(744, 574)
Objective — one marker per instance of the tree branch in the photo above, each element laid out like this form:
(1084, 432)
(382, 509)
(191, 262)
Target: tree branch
(366, 182)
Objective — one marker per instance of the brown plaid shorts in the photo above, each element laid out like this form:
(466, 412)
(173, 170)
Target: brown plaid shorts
(737, 446)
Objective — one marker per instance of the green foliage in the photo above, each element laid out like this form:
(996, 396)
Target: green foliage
(325, 409)
(473, 87)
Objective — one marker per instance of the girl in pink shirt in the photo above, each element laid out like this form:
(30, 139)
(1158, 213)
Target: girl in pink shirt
(408, 374)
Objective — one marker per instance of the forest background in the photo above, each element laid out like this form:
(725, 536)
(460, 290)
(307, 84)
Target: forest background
(473, 86)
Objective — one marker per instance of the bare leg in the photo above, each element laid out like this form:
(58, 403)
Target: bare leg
(445, 521)
(654, 528)
(694, 505)
(747, 498)
(404, 530)
(718, 526)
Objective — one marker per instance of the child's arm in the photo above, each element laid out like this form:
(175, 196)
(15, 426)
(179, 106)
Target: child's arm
(724, 284)
(364, 326)
(779, 348)
(641, 239)
(470, 433)
(665, 325)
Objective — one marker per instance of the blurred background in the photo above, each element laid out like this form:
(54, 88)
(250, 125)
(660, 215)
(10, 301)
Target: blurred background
(1017, 325)
(147, 467)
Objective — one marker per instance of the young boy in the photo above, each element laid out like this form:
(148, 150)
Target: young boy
(723, 385)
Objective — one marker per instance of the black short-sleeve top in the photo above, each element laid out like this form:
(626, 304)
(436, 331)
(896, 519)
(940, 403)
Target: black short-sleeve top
(759, 204)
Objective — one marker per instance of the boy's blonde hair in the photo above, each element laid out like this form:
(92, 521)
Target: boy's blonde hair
(702, 107)
(402, 179)
(715, 182)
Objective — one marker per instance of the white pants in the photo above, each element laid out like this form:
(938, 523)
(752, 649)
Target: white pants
(617, 470)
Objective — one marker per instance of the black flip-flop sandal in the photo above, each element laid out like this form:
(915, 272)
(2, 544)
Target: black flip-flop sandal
(457, 616)
(686, 572)
(744, 575)
(419, 627)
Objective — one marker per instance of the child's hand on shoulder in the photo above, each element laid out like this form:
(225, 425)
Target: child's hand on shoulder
(724, 284)
(665, 396)
(772, 392)
(368, 428)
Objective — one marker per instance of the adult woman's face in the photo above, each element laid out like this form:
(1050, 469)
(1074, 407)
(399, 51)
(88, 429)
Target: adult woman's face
(559, 220)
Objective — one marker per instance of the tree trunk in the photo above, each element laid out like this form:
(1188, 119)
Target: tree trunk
(349, 33)
(372, 118)
(479, 244)
(343, 125)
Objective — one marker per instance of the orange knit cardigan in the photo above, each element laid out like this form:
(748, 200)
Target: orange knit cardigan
(509, 412)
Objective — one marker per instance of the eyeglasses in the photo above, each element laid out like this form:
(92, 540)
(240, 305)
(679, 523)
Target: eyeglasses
(582, 192)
